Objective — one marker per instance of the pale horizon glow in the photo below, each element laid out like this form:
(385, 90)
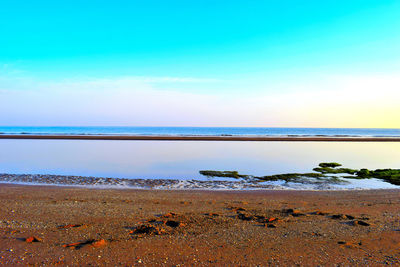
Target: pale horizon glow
(342, 103)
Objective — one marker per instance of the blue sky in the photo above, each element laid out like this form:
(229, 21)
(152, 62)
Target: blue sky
(244, 51)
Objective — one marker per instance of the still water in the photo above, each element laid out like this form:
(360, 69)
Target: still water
(184, 159)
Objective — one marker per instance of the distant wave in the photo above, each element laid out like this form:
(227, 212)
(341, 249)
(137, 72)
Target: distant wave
(201, 131)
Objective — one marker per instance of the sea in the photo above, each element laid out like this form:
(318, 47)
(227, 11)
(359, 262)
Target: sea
(149, 164)
(201, 131)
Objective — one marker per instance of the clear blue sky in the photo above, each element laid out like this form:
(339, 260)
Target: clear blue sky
(246, 48)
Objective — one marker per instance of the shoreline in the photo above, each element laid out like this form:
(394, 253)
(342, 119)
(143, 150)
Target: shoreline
(201, 190)
(204, 190)
(203, 138)
(69, 226)
(235, 185)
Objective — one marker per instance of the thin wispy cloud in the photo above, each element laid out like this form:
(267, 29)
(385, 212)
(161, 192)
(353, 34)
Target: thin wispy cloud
(343, 102)
(171, 79)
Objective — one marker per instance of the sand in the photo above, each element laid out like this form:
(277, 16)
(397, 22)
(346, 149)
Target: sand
(44, 225)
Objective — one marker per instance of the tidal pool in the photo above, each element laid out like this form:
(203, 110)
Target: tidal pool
(184, 159)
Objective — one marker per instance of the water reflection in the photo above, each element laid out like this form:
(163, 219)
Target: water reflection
(183, 159)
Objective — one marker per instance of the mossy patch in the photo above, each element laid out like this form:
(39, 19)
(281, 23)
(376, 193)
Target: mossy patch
(329, 164)
(290, 177)
(321, 173)
(335, 171)
(389, 175)
(230, 174)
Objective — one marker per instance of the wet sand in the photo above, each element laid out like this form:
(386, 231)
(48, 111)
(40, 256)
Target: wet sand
(44, 225)
(206, 138)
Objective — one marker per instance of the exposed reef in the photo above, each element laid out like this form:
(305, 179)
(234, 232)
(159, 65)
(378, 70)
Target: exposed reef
(325, 172)
(389, 175)
(230, 174)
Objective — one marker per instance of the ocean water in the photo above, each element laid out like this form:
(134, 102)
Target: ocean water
(182, 161)
(203, 131)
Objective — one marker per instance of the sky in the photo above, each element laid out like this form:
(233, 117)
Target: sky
(200, 63)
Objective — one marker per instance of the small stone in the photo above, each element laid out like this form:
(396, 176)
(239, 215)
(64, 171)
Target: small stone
(346, 244)
(70, 226)
(245, 217)
(32, 239)
(338, 216)
(169, 215)
(99, 243)
(361, 223)
(173, 224)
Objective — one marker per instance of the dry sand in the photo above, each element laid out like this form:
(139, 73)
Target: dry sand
(43, 225)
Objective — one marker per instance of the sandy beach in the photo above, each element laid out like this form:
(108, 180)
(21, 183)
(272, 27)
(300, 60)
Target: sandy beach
(44, 225)
(199, 133)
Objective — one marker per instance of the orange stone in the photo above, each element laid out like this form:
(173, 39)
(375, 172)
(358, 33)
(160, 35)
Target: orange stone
(73, 245)
(169, 214)
(99, 243)
(32, 239)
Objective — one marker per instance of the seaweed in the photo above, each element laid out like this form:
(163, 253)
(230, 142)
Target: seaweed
(389, 175)
(231, 174)
(363, 173)
(335, 171)
(329, 164)
(285, 177)
(288, 177)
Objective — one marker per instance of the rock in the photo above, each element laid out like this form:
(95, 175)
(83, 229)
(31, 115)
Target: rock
(69, 226)
(147, 229)
(169, 215)
(99, 243)
(94, 243)
(236, 209)
(346, 244)
(294, 213)
(361, 223)
(76, 245)
(32, 239)
(245, 217)
(317, 234)
(318, 212)
(342, 217)
(172, 224)
(297, 212)
(288, 210)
